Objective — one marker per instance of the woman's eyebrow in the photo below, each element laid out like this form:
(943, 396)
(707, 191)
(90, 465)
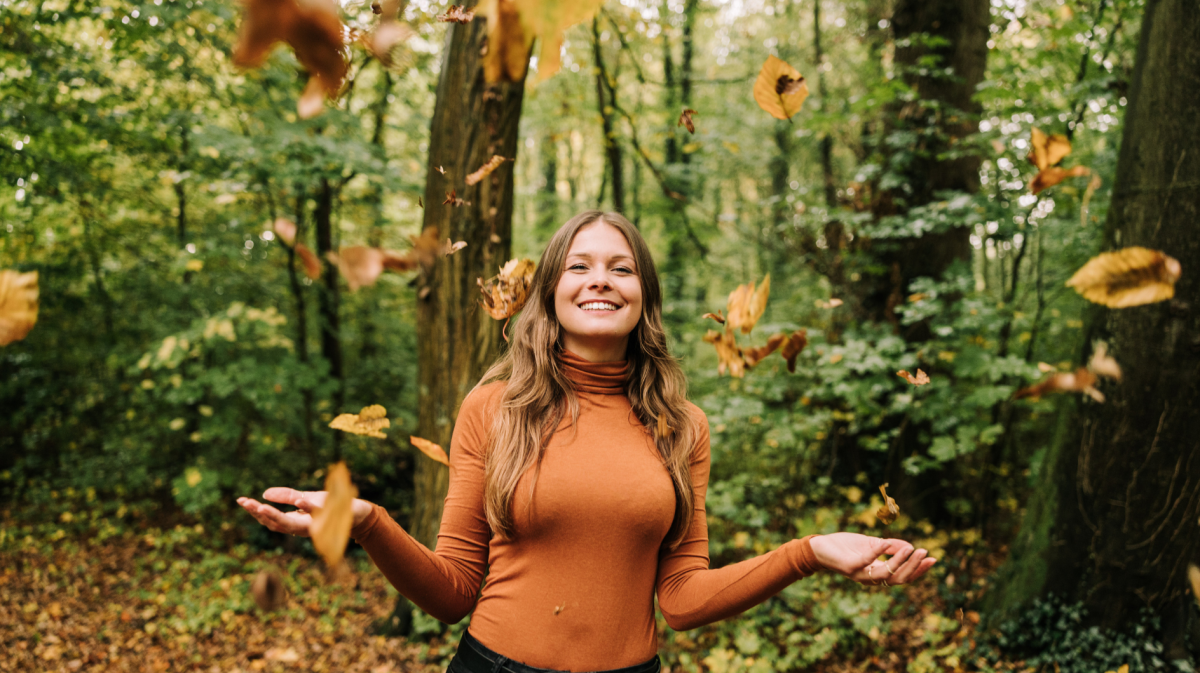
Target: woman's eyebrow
(588, 255)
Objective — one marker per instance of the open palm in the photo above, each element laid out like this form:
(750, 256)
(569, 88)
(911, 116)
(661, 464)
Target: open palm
(856, 556)
(296, 522)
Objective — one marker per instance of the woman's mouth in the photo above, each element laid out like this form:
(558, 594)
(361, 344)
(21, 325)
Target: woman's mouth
(599, 306)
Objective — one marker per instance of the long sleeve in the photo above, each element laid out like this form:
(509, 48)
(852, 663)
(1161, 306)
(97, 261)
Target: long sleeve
(444, 583)
(690, 594)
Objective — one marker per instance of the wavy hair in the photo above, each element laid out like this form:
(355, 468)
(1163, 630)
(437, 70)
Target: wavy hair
(539, 395)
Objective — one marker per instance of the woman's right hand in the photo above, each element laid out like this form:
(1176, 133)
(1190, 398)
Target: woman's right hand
(297, 522)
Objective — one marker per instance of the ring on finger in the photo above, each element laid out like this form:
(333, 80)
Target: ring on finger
(886, 584)
(869, 575)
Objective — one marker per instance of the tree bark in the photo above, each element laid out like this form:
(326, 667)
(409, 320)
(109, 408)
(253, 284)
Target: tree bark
(329, 299)
(1112, 523)
(607, 105)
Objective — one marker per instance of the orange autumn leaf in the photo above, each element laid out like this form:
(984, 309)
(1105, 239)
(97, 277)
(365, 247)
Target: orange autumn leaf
(753, 356)
(1194, 580)
(434, 451)
(514, 24)
(268, 590)
(369, 422)
(1053, 175)
(793, 347)
(330, 527)
(729, 356)
(285, 230)
(452, 199)
(1082, 380)
(359, 265)
(312, 102)
(18, 304)
(920, 379)
(715, 316)
(1047, 150)
(1127, 277)
(685, 120)
(780, 89)
(890, 510)
(746, 305)
(491, 165)
(312, 265)
(506, 293)
(457, 14)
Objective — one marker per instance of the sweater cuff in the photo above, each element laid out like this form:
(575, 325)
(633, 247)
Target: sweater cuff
(805, 559)
(363, 529)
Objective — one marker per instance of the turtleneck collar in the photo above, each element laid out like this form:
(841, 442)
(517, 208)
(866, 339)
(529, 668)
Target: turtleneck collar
(602, 378)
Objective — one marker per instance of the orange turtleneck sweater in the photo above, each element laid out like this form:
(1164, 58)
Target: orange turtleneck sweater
(575, 590)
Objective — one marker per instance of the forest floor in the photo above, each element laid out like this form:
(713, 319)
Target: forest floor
(179, 600)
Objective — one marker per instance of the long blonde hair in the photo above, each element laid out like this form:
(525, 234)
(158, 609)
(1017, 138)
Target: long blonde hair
(538, 394)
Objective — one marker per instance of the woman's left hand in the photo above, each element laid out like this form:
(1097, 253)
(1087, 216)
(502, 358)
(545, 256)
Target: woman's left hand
(855, 556)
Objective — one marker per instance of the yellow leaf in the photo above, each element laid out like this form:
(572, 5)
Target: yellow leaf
(1047, 150)
(18, 304)
(505, 294)
(491, 165)
(512, 27)
(194, 265)
(890, 509)
(434, 451)
(330, 527)
(780, 89)
(1128, 277)
(369, 422)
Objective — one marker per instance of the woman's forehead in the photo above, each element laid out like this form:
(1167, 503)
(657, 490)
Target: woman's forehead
(600, 239)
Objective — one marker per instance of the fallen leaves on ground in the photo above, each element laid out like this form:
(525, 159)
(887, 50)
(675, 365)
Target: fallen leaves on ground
(330, 527)
(506, 293)
(18, 304)
(920, 379)
(890, 510)
(780, 89)
(486, 169)
(434, 451)
(1128, 277)
(369, 422)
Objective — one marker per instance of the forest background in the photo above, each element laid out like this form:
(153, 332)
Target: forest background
(182, 357)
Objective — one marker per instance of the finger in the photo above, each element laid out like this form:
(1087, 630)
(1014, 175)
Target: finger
(278, 521)
(311, 500)
(898, 558)
(922, 569)
(892, 546)
(906, 572)
(287, 496)
(871, 574)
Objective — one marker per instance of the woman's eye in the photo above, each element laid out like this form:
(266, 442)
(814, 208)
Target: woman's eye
(577, 266)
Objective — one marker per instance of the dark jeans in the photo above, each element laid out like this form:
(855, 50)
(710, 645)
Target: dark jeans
(473, 657)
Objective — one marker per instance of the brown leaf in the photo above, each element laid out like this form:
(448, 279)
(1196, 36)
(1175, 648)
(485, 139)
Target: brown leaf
(1079, 381)
(359, 265)
(451, 248)
(368, 422)
(268, 590)
(387, 42)
(1127, 277)
(286, 231)
(312, 265)
(514, 24)
(793, 347)
(753, 356)
(506, 293)
(780, 89)
(441, 170)
(1047, 150)
(430, 449)
(399, 261)
(890, 510)
(376, 8)
(18, 304)
(833, 302)
(330, 527)
(312, 28)
(685, 120)
(1102, 364)
(1048, 177)
(457, 14)
(452, 198)
(491, 165)
(715, 316)
(746, 305)
(919, 380)
(729, 356)
(312, 102)
(1092, 186)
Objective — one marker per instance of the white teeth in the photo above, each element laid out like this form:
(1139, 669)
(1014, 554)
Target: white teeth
(598, 306)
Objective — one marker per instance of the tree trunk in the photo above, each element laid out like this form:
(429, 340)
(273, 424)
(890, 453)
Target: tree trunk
(1112, 524)
(606, 105)
(329, 299)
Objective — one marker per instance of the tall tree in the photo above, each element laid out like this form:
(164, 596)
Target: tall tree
(1110, 522)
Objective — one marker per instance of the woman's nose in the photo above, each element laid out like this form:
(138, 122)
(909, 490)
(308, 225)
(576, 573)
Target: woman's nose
(599, 280)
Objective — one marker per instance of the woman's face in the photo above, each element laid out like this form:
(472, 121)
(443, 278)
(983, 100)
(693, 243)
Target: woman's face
(599, 296)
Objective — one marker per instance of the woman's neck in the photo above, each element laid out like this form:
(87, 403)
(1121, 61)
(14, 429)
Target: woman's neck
(597, 350)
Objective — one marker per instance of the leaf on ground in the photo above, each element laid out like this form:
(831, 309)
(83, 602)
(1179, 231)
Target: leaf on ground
(369, 422)
(484, 170)
(746, 305)
(18, 304)
(890, 510)
(457, 14)
(312, 265)
(793, 347)
(268, 590)
(1127, 277)
(780, 89)
(920, 379)
(434, 451)
(330, 527)
(685, 120)
(506, 293)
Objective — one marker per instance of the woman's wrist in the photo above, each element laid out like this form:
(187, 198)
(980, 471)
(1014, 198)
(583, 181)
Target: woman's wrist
(361, 509)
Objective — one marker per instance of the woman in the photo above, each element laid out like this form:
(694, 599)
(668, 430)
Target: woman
(578, 472)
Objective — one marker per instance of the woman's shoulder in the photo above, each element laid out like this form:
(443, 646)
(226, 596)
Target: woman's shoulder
(696, 414)
(483, 398)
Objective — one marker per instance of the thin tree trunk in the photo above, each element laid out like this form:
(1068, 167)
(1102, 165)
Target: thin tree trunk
(329, 299)
(1111, 523)
(612, 149)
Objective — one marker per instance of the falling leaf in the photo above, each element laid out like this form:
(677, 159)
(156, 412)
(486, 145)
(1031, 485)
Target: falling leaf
(505, 294)
(359, 265)
(434, 451)
(1102, 364)
(746, 305)
(514, 24)
(685, 120)
(1124, 668)
(1047, 150)
(661, 428)
(919, 380)
(1053, 175)
(1044, 368)
(420, 202)
(285, 230)
(312, 265)
(1081, 381)
(729, 356)
(715, 316)
(312, 28)
(780, 89)
(18, 304)
(387, 42)
(369, 422)
(451, 248)
(491, 165)
(1127, 277)
(834, 302)
(268, 590)
(1092, 186)
(753, 356)
(312, 101)
(890, 510)
(1194, 579)
(457, 14)
(376, 8)
(452, 198)
(793, 347)
(194, 265)
(330, 527)
(441, 170)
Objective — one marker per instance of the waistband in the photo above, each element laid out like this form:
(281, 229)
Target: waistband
(480, 659)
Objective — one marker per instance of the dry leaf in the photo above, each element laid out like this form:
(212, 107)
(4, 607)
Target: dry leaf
(1102, 364)
(1047, 150)
(18, 304)
(369, 422)
(441, 170)
(793, 347)
(387, 42)
(452, 198)
(780, 89)
(268, 590)
(919, 380)
(457, 14)
(729, 356)
(1127, 277)
(1079, 381)
(833, 302)
(451, 248)
(399, 261)
(313, 30)
(312, 265)
(890, 510)
(312, 102)
(1194, 579)
(285, 230)
(359, 265)
(715, 316)
(330, 527)
(506, 293)
(1092, 186)
(685, 120)
(753, 356)
(746, 305)
(1052, 176)
(284, 655)
(514, 24)
(491, 165)
(430, 449)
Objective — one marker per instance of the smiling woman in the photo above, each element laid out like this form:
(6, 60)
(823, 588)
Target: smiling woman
(578, 471)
